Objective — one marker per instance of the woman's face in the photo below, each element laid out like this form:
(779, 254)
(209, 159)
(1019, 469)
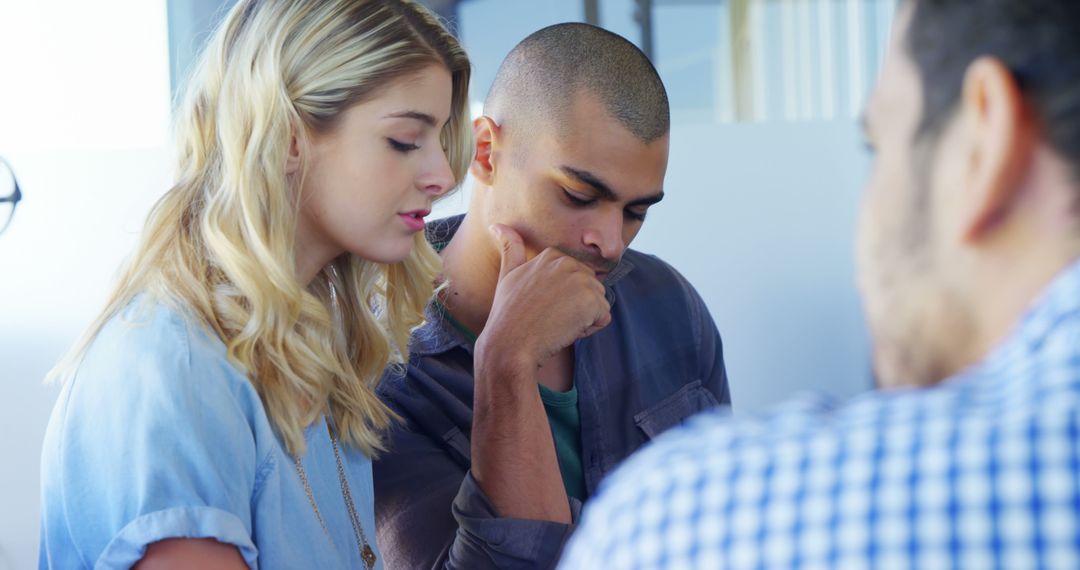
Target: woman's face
(371, 179)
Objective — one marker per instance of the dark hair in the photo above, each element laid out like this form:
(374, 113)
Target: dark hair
(1037, 40)
(541, 74)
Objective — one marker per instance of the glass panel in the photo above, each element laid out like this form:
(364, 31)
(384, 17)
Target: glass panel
(769, 60)
(489, 29)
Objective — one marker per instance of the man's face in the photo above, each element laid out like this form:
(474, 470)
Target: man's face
(907, 251)
(584, 189)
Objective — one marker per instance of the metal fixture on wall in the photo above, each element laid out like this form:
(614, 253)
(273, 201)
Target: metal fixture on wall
(643, 15)
(592, 11)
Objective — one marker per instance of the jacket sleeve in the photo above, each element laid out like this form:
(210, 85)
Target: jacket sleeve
(713, 373)
(430, 513)
(711, 369)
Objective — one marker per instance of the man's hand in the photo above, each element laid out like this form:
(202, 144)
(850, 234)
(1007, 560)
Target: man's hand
(541, 305)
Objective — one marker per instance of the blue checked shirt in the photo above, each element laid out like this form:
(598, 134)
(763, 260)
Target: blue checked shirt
(981, 472)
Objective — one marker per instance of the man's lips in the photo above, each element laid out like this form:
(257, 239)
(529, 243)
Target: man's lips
(600, 266)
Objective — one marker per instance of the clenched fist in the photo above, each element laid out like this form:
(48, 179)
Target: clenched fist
(541, 305)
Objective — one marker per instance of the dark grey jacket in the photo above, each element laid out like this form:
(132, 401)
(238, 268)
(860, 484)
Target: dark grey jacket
(657, 363)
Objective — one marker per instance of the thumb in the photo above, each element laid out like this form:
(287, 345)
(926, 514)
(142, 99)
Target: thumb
(511, 246)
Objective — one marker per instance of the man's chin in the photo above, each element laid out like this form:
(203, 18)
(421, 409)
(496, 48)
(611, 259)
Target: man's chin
(885, 379)
(895, 368)
(887, 370)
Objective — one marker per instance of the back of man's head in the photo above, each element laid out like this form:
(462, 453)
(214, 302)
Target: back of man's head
(538, 80)
(1037, 40)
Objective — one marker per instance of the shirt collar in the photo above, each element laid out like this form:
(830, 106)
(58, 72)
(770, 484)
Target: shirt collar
(1057, 302)
(436, 335)
(1057, 305)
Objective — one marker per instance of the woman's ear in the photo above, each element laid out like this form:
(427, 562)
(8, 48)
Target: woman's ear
(293, 158)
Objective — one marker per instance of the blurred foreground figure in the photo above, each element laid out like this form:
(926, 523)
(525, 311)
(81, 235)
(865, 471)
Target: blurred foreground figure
(969, 454)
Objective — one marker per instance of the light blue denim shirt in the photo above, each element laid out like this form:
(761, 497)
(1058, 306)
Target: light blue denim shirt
(158, 436)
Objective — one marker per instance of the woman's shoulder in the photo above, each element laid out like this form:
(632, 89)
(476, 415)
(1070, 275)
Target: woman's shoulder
(152, 369)
(148, 328)
(157, 352)
(156, 435)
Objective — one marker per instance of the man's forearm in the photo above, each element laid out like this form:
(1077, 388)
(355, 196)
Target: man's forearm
(513, 454)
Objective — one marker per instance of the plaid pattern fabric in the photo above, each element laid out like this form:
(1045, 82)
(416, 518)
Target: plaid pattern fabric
(981, 472)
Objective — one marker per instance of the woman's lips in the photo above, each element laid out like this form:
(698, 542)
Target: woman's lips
(414, 220)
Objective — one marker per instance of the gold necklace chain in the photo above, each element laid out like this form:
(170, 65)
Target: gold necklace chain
(366, 552)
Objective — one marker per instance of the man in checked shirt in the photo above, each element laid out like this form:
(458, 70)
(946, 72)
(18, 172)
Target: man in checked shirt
(969, 266)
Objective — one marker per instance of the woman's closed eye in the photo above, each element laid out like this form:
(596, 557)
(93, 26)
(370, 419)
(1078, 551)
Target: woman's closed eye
(402, 147)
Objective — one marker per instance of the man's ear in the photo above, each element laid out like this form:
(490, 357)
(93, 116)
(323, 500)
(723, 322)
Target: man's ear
(1001, 141)
(486, 133)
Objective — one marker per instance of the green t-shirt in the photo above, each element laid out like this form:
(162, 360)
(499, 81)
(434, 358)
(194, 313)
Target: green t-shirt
(565, 419)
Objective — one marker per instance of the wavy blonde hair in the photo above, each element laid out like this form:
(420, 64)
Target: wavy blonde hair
(219, 244)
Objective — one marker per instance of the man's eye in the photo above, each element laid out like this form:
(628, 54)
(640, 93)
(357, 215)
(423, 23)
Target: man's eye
(637, 216)
(400, 146)
(577, 201)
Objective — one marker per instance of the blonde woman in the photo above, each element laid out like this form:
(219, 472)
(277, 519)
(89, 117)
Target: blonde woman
(220, 413)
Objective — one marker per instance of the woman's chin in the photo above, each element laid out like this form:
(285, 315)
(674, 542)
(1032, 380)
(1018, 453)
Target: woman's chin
(386, 255)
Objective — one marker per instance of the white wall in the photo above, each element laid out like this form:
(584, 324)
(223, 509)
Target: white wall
(760, 218)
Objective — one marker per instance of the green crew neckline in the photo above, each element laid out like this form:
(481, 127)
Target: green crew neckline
(550, 397)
